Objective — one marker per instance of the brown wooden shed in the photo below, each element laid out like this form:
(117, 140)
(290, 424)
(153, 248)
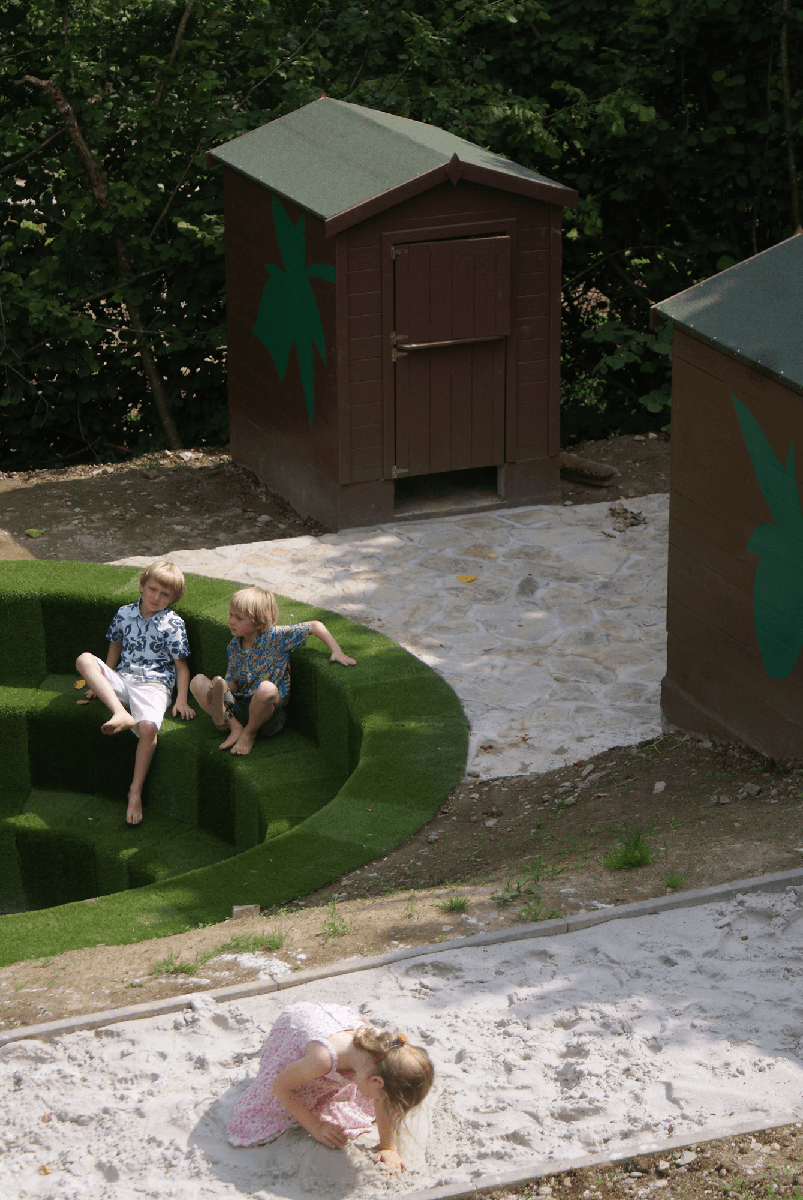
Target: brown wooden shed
(735, 588)
(393, 299)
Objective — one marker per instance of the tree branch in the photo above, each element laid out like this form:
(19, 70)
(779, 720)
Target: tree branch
(96, 181)
(110, 291)
(283, 63)
(100, 192)
(182, 25)
(163, 213)
(36, 149)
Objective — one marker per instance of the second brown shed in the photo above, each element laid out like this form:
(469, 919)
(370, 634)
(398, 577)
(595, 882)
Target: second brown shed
(735, 586)
(393, 299)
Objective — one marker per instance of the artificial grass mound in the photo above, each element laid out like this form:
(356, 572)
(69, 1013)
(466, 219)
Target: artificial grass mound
(369, 754)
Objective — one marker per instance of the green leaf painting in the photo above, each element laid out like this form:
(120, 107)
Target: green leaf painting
(778, 585)
(288, 310)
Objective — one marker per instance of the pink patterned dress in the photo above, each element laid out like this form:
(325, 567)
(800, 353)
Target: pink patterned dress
(259, 1117)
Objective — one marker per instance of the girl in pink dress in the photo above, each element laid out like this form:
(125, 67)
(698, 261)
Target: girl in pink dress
(322, 1068)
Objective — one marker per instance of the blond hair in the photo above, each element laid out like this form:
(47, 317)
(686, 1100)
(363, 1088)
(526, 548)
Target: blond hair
(406, 1071)
(166, 573)
(257, 604)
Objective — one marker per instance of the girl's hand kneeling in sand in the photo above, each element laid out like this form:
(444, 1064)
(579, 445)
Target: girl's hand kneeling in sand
(323, 1070)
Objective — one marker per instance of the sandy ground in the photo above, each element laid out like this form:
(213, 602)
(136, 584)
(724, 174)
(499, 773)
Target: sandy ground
(604, 1040)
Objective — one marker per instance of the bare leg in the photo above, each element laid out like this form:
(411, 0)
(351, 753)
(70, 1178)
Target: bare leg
(263, 703)
(87, 665)
(235, 733)
(209, 693)
(144, 756)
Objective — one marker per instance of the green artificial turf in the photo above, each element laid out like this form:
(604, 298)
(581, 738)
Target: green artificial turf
(369, 754)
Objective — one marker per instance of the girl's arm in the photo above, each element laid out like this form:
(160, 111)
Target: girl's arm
(317, 1061)
(182, 708)
(388, 1154)
(336, 654)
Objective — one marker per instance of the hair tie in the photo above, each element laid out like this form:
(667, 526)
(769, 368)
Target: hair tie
(400, 1040)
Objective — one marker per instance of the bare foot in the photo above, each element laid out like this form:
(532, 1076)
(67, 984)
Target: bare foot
(244, 743)
(134, 813)
(118, 723)
(234, 736)
(217, 709)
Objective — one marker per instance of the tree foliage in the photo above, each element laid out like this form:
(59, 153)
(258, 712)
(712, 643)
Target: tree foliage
(677, 121)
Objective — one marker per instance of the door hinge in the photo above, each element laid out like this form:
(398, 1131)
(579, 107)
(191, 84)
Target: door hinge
(399, 471)
(397, 337)
(399, 354)
(396, 250)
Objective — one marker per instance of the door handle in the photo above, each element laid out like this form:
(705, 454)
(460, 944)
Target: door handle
(495, 337)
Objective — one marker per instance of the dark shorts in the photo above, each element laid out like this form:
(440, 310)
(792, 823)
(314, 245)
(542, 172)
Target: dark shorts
(239, 706)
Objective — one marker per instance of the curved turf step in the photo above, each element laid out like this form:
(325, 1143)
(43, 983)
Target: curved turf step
(70, 846)
(369, 754)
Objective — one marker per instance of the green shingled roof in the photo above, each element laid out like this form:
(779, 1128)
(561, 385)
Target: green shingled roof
(337, 160)
(754, 310)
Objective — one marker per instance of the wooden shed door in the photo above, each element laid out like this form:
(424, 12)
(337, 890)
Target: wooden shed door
(452, 318)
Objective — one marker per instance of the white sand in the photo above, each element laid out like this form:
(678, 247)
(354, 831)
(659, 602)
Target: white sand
(556, 1047)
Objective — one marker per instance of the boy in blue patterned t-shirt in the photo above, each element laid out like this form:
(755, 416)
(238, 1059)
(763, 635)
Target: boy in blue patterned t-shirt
(251, 701)
(147, 656)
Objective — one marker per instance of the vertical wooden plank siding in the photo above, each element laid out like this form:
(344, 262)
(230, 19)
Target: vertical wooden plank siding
(716, 678)
(345, 415)
(554, 330)
(531, 394)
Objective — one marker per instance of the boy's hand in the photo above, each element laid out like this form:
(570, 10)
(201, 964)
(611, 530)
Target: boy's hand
(182, 709)
(339, 657)
(87, 697)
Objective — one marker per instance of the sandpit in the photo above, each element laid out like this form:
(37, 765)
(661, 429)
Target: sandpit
(546, 1048)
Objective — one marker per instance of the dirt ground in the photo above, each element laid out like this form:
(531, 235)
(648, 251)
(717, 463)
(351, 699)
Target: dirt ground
(198, 499)
(498, 853)
(765, 1164)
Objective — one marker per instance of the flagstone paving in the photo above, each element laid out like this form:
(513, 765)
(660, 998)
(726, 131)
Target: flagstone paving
(549, 623)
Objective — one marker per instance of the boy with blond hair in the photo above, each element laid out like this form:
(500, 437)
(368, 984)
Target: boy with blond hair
(251, 701)
(147, 656)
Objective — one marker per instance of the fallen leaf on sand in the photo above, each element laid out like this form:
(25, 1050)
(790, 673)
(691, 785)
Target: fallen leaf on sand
(466, 578)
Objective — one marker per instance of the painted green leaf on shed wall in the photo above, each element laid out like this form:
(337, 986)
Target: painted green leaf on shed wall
(778, 585)
(288, 311)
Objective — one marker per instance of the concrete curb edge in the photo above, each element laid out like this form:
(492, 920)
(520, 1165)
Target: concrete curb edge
(561, 1166)
(777, 882)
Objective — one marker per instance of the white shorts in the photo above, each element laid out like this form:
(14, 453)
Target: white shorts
(145, 699)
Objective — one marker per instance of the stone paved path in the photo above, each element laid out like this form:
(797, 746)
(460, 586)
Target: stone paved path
(556, 644)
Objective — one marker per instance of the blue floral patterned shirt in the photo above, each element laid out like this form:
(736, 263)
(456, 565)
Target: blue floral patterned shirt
(269, 659)
(150, 646)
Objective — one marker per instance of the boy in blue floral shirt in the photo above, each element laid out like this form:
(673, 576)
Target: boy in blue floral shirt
(147, 656)
(251, 701)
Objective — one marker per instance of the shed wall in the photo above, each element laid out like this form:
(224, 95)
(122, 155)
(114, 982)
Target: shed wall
(270, 427)
(716, 681)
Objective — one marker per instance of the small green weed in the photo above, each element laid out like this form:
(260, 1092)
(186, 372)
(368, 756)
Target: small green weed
(252, 943)
(633, 851)
(172, 965)
(454, 903)
(335, 924)
(674, 880)
(409, 909)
